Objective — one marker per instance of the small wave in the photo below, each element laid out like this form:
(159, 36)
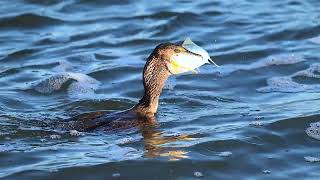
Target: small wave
(287, 84)
(84, 85)
(270, 61)
(53, 38)
(19, 54)
(168, 14)
(81, 85)
(102, 2)
(28, 20)
(290, 34)
(43, 2)
(51, 84)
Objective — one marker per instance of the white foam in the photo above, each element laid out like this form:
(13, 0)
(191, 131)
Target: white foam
(225, 154)
(83, 87)
(51, 84)
(125, 140)
(314, 130)
(198, 174)
(256, 123)
(283, 60)
(83, 78)
(270, 61)
(287, 84)
(55, 136)
(116, 175)
(266, 171)
(76, 133)
(315, 125)
(313, 71)
(311, 159)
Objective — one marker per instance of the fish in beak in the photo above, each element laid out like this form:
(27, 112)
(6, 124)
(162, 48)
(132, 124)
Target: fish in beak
(194, 48)
(189, 58)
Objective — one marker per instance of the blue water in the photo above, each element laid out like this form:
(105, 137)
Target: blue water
(246, 119)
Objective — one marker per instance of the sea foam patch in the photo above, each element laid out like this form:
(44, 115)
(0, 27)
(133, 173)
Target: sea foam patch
(81, 85)
(311, 159)
(314, 130)
(270, 61)
(287, 83)
(313, 71)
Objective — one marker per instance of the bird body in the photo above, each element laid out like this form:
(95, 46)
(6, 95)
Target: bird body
(165, 60)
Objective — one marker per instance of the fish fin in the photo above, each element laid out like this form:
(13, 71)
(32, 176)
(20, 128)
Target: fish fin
(187, 42)
(212, 62)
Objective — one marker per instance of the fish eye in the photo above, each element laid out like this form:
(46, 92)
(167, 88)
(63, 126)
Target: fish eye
(177, 50)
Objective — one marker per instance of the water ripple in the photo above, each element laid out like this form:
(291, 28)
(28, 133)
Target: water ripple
(28, 20)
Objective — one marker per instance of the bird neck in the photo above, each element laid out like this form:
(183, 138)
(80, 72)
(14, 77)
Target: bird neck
(155, 75)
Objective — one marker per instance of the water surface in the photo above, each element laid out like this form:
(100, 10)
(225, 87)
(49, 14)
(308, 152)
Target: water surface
(246, 119)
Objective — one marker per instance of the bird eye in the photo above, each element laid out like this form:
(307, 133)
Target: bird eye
(177, 50)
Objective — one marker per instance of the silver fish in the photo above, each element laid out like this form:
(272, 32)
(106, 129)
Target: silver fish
(194, 48)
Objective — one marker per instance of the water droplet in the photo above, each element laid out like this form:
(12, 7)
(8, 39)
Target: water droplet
(7, 138)
(225, 154)
(266, 171)
(116, 175)
(76, 133)
(311, 159)
(256, 123)
(198, 174)
(55, 136)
